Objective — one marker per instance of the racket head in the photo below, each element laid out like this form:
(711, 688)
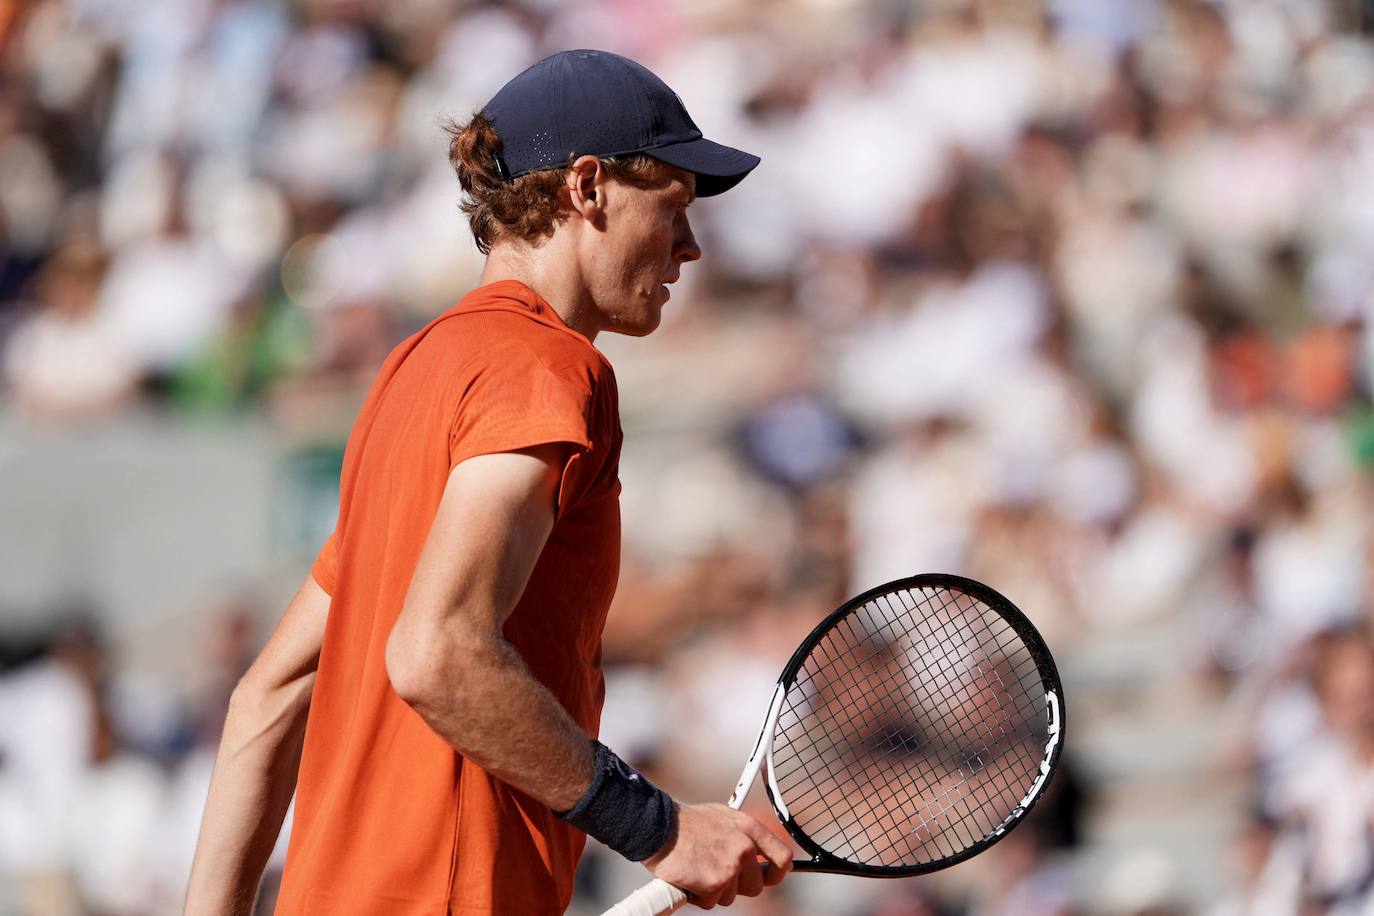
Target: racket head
(882, 722)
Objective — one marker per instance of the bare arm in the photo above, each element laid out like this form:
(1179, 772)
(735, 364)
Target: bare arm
(259, 755)
(446, 655)
(448, 659)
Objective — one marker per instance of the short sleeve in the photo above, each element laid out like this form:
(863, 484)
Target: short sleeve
(325, 569)
(516, 399)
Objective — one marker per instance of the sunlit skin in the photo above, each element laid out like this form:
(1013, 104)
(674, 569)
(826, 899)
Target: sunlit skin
(609, 261)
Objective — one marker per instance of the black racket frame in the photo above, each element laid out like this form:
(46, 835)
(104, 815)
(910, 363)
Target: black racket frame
(823, 861)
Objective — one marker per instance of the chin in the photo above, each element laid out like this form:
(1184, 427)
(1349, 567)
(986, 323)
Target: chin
(640, 328)
(640, 323)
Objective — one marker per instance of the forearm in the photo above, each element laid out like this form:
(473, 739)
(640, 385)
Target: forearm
(484, 701)
(250, 791)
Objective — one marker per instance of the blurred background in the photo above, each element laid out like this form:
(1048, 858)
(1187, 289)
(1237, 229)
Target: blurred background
(1070, 297)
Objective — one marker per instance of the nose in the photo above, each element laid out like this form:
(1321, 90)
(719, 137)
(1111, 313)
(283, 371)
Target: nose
(685, 246)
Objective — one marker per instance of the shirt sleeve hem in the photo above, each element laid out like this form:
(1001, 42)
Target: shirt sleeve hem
(322, 577)
(530, 439)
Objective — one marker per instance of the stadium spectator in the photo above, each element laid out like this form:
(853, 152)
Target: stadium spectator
(1081, 309)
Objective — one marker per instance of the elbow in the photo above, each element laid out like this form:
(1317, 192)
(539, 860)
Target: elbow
(406, 667)
(431, 659)
(424, 663)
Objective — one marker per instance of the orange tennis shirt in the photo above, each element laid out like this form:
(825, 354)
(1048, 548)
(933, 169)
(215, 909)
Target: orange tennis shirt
(391, 819)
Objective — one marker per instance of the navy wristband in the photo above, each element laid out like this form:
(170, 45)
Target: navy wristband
(622, 809)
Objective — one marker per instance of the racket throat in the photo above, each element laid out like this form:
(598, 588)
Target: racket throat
(763, 750)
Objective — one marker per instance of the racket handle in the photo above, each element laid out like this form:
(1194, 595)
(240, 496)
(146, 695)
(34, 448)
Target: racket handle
(657, 898)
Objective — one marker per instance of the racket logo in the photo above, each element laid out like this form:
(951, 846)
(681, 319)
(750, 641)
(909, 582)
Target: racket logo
(1046, 765)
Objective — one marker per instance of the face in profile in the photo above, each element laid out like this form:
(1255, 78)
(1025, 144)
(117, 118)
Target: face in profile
(644, 239)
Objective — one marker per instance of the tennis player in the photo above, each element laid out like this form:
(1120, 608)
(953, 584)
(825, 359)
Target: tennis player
(431, 691)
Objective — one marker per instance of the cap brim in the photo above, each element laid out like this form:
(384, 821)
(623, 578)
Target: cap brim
(718, 168)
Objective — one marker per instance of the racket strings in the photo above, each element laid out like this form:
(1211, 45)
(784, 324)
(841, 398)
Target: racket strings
(942, 797)
(946, 794)
(988, 733)
(912, 731)
(1027, 663)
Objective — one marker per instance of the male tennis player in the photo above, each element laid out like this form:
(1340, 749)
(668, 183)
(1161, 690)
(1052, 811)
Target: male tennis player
(435, 680)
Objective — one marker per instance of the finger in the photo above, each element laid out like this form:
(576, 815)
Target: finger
(774, 849)
(705, 902)
(750, 877)
(772, 875)
(727, 896)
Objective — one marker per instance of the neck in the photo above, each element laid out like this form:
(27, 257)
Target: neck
(546, 271)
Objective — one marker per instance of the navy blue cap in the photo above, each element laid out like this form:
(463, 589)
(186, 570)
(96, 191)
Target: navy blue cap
(594, 102)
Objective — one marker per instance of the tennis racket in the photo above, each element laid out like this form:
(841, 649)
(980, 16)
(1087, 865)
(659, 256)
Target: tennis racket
(912, 729)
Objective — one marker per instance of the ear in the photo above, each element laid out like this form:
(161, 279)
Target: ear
(584, 185)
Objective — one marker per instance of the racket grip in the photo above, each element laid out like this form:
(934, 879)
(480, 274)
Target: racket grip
(657, 898)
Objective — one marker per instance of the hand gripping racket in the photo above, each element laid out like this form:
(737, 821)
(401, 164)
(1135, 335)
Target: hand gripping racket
(910, 731)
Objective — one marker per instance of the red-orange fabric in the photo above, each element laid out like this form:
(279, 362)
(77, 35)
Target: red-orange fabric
(389, 817)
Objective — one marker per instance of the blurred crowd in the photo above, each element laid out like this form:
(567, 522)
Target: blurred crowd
(1070, 297)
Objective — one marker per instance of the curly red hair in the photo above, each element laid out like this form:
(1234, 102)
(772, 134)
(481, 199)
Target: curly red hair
(530, 207)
